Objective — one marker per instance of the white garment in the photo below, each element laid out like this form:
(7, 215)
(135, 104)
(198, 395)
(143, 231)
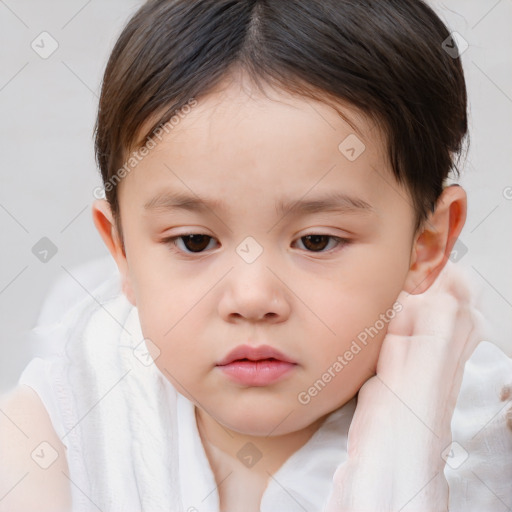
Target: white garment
(133, 445)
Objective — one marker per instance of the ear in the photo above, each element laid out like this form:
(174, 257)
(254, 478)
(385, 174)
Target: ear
(434, 242)
(105, 224)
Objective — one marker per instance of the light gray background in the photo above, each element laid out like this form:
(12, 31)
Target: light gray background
(48, 172)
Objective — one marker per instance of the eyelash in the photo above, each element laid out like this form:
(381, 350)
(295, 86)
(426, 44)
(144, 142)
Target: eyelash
(172, 242)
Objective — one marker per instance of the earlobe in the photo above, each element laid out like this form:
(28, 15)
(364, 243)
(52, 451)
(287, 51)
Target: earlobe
(433, 245)
(105, 224)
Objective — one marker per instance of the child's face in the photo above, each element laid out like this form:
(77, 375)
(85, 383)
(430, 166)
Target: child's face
(308, 298)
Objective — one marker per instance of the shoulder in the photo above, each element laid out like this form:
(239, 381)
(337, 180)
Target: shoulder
(33, 468)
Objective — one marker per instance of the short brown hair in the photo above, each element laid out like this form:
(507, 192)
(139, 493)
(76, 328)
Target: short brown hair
(384, 57)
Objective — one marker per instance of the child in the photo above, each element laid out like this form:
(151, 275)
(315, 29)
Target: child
(261, 369)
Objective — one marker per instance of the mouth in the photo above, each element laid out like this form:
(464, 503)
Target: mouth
(249, 353)
(256, 366)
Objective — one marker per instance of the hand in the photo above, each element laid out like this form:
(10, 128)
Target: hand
(401, 425)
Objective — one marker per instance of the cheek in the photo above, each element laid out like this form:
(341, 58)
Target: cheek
(169, 318)
(355, 309)
(340, 363)
(350, 306)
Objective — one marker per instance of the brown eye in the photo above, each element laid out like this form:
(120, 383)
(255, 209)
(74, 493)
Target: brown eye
(193, 243)
(196, 243)
(318, 243)
(315, 242)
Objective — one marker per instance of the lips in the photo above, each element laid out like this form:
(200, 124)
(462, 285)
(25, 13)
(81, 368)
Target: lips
(256, 366)
(254, 354)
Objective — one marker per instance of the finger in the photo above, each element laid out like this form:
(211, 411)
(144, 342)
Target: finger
(470, 327)
(403, 322)
(455, 280)
(438, 317)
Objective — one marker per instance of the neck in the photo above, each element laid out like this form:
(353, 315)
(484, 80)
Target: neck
(226, 448)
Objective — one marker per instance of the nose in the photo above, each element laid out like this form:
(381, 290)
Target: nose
(252, 292)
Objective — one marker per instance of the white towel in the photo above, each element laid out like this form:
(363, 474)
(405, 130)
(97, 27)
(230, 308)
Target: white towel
(116, 412)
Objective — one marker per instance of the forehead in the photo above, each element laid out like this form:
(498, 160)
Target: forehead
(253, 118)
(238, 140)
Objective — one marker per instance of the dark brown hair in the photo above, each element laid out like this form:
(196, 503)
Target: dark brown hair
(385, 58)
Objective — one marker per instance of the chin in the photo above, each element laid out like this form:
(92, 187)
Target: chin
(263, 421)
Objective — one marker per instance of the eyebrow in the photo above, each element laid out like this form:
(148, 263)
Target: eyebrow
(330, 202)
